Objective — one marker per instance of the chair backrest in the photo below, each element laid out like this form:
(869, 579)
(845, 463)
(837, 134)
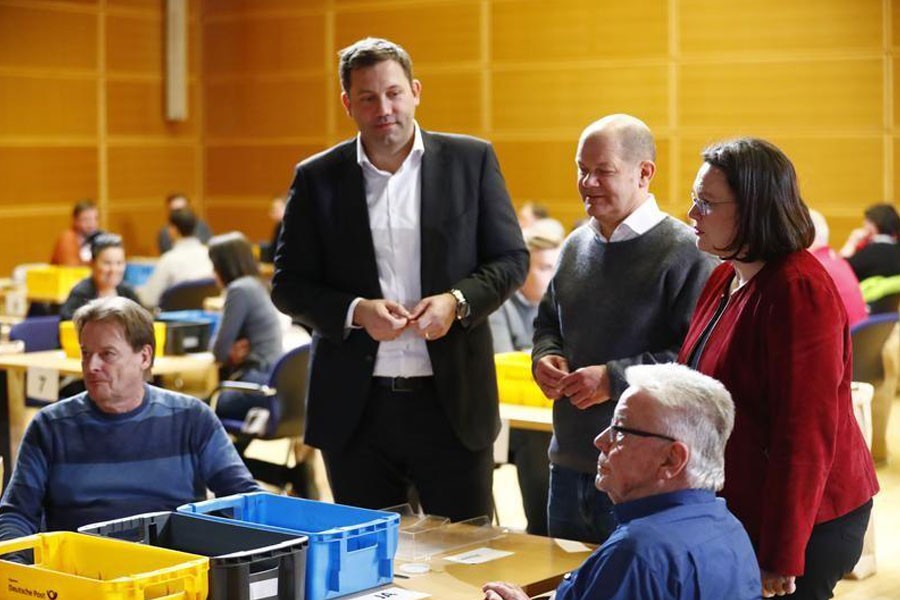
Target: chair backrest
(868, 339)
(188, 295)
(885, 304)
(38, 333)
(290, 377)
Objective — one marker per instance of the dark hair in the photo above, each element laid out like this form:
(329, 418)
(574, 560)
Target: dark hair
(773, 221)
(371, 51)
(81, 206)
(232, 257)
(135, 320)
(885, 219)
(102, 241)
(184, 220)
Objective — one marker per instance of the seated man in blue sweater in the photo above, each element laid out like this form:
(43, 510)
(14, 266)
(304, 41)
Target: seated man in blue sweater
(123, 447)
(661, 461)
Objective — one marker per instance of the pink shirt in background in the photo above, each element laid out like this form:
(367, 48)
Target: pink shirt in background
(846, 282)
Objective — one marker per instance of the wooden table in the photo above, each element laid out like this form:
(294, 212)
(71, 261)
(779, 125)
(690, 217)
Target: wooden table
(538, 564)
(520, 416)
(17, 365)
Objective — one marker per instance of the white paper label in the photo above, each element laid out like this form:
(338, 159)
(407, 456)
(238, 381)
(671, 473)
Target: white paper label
(42, 384)
(572, 546)
(265, 589)
(478, 556)
(393, 593)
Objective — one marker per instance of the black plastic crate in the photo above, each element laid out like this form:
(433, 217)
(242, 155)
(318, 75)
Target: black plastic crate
(244, 563)
(183, 337)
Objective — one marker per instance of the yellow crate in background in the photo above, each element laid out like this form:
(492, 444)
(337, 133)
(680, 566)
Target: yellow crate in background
(75, 565)
(52, 283)
(68, 338)
(514, 381)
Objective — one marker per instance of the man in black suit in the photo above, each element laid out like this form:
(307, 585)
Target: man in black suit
(396, 247)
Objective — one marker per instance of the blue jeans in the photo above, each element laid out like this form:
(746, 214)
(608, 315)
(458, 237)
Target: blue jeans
(576, 509)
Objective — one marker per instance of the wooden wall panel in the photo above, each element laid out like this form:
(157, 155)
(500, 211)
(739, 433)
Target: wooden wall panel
(138, 226)
(265, 108)
(135, 108)
(566, 100)
(433, 33)
(830, 95)
(528, 31)
(151, 172)
(451, 102)
(253, 170)
(63, 40)
(250, 218)
(265, 44)
(30, 238)
(239, 8)
(707, 27)
(42, 175)
(47, 106)
(134, 45)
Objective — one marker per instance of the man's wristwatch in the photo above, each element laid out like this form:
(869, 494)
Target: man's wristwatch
(462, 306)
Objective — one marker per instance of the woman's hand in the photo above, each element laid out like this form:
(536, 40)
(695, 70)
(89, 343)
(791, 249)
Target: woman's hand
(774, 584)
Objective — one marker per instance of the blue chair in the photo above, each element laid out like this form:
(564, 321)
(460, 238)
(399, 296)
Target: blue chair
(188, 295)
(868, 338)
(283, 416)
(38, 334)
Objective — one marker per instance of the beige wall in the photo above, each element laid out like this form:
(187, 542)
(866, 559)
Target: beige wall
(81, 113)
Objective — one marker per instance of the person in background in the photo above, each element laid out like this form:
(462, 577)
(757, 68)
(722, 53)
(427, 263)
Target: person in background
(121, 448)
(73, 246)
(107, 272)
(397, 245)
(530, 213)
(276, 213)
(873, 248)
(187, 260)
(164, 239)
(248, 340)
(661, 462)
(839, 269)
(771, 326)
(623, 294)
(512, 328)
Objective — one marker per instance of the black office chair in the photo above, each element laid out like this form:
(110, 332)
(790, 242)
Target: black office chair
(885, 304)
(868, 338)
(284, 416)
(188, 295)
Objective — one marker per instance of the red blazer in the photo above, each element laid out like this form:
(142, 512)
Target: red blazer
(796, 457)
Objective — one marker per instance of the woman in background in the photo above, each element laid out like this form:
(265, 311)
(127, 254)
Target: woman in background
(771, 326)
(107, 272)
(248, 340)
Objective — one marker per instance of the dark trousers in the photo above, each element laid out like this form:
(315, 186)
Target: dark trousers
(528, 451)
(576, 509)
(404, 441)
(832, 551)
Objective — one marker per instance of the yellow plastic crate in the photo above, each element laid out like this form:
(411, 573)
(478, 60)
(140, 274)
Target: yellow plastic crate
(53, 283)
(514, 381)
(68, 338)
(73, 565)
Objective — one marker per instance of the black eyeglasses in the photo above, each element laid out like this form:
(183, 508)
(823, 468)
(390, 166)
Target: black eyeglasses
(622, 431)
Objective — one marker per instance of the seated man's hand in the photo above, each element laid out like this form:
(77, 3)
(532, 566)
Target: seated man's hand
(383, 320)
(774, 584)
(499, 590)
(432, 317)
(548, 371)
(586, 386)
(239, 352)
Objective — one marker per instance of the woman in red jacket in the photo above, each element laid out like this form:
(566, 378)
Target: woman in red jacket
(771, 326)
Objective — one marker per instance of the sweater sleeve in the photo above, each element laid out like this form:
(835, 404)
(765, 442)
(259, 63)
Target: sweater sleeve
(547, 335)
(807, 344)
(234, 314)
(22, 505)
(221, 467)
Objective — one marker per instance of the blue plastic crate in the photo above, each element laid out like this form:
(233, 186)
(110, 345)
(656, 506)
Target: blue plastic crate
(350, 549)
(192, 316)
(137, 273)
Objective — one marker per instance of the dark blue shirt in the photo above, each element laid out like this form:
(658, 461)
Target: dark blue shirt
(683, 545)
(79, 465)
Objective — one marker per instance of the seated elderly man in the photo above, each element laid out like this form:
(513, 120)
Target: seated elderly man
(123, 447)
(661, 462)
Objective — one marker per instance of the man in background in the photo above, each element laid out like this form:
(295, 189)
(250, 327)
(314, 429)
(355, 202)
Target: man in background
(188, 260)
(397, 245)
(623, 294)
(662, 459)
(164, 238)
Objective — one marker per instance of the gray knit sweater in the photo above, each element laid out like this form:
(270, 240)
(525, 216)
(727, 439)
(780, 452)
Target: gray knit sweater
(618, 304)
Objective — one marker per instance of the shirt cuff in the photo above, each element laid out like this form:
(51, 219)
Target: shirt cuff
(348, 321)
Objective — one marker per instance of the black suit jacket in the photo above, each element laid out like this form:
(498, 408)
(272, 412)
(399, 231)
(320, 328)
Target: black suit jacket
(326, 258)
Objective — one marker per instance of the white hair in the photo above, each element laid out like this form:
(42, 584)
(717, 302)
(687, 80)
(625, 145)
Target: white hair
(696, 410)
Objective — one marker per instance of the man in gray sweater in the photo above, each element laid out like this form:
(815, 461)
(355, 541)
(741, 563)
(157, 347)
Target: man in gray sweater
(623, 294)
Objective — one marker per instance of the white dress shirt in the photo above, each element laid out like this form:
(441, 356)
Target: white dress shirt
(395, 202)
(186, 261)
(644, 218)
